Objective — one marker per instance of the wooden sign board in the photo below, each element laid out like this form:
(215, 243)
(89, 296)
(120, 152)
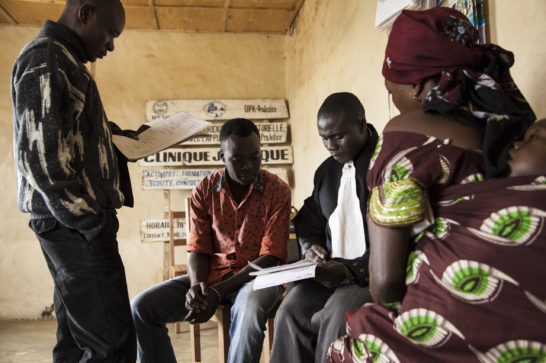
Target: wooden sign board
(173, 178)
(271, 155)
(270, 133)
(162, 179)
(157, 230)
(258, 109)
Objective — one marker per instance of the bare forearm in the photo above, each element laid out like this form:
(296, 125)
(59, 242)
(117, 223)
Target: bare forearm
(242, 277)
(198, 267)
(386, 288)
(388, 259)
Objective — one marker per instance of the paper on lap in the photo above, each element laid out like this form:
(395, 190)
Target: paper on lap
(278, 275)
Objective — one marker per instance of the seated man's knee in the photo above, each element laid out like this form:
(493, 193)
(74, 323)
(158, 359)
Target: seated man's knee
(252, 305)
(288, 310)
(255, 306)
(142, 307)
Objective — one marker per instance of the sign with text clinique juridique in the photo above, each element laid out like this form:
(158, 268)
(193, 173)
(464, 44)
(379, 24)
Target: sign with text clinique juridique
(271, 155)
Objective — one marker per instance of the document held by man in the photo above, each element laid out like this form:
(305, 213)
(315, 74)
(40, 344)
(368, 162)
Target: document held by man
(160, 134)
(278, 275)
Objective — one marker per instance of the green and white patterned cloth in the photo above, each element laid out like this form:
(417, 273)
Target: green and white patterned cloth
(476, 288)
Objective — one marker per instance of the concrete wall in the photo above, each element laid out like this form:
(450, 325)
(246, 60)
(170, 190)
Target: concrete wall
(145, 66)
(520, 28)
(334, 48)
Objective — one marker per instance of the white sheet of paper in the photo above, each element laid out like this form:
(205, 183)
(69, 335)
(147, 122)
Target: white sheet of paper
(289, 266)
(282, 274)
(162, 134)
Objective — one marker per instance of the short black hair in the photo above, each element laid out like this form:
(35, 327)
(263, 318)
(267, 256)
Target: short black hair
(238, 126)
(344, 103)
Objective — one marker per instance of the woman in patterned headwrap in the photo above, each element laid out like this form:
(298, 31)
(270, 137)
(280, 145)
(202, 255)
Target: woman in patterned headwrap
(455, 255)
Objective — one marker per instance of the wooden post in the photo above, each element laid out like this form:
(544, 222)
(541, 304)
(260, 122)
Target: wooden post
(223, 316)
(195, 342)
(166, 247)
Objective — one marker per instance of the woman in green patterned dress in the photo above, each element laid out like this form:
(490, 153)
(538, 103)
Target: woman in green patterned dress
(455, 254)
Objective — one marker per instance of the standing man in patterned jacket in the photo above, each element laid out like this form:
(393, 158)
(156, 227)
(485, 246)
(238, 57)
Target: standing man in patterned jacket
(69, 180)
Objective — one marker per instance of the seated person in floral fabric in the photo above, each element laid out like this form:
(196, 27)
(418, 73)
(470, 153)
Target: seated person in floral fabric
(475, 288)
(454, 257)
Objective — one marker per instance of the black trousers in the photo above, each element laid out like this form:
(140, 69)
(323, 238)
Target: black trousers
(310, 318)
(94, 322)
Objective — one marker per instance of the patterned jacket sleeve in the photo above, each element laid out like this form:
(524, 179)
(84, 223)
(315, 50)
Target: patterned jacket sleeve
(49, 145)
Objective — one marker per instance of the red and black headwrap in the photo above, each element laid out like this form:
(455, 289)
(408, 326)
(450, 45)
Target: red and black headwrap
(474, 79)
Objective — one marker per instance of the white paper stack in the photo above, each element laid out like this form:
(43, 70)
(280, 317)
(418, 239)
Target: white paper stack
(278, 275)
(388, 10)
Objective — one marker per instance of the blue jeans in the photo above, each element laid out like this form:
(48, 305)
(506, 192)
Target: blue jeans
(165, 303)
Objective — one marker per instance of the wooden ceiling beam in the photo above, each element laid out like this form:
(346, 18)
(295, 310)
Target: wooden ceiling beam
(226, 10)
(261, 16)
(294, 21)
(264, 4)
(190, 3)
(152, 4)
(7, 14)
